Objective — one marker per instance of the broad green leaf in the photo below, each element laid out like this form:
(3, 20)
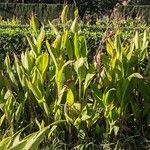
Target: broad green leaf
(57, 46)
(97, 95)
(34, 23)
(66, 43)
(117, 43)
(16, 139)
(10, 71)
(35, 141)
(144, 45)
(45, 106)
(8, 94)
(76, 12)
(40, 39)
(77, 123)
(7, 61)
(70, 98)
(20, 145)
(17, 144)
(83, 46)
(93, 119)
(110, 47)
(42, 63)
(60, 76)
(40, 125)
(84, 114)
(52, 130)
(145, 40)
(76, 46)
(2, 119)
(27, 61)
(85, 117)
(9, 106)
(54, 29)
(18, 112)
(5, 143)
(108, 96)
(52, 55)
(20, 72)
(88, 79)
(113, 62)
(36, 91)
(68, 119)
(136, 40)
(12, 77)
(81, 70)
(64, 14)
(130, 53)
(32, 45)
(60, 95)
(123, 87)
(135, 75)
(69, 49)
(78, 64)
(34, 40)
(75, 26)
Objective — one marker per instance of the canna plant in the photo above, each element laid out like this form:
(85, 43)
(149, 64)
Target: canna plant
(53, 83)
(70, 45)
(118, 80)
(37, 80)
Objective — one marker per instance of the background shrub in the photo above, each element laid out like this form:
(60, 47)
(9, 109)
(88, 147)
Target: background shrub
(43, 12)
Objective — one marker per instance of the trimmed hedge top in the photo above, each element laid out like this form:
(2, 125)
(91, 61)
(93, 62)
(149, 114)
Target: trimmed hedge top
(43, 12)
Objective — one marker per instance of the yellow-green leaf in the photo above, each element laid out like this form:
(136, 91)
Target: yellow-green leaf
(70, 97)
(42, 63)
(64, 14)
(75, 25)
(40, 39)
(109, 47)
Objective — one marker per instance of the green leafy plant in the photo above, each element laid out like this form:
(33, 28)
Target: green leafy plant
(54, 89)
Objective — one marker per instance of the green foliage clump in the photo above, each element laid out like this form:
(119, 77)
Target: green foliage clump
(52, 97)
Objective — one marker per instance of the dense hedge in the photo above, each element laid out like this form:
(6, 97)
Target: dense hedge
(142, 11)
(13, 39)
(44, 12)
